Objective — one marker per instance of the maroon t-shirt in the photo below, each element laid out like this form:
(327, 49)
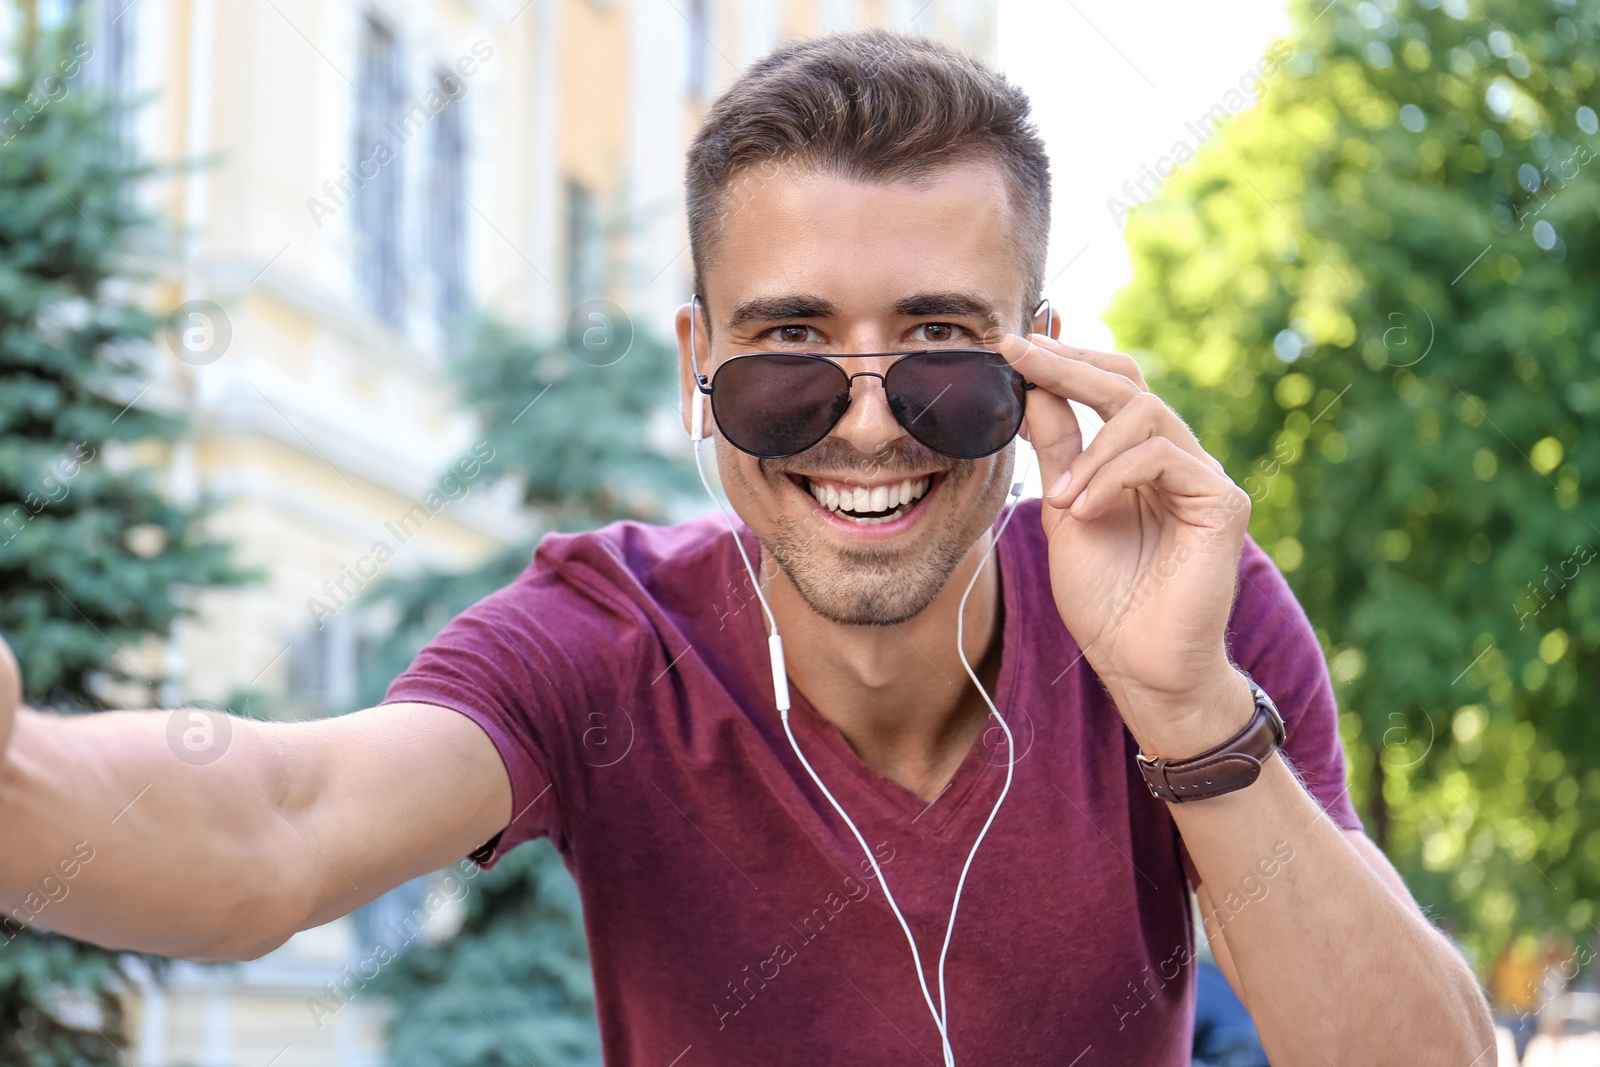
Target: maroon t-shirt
(731, 917)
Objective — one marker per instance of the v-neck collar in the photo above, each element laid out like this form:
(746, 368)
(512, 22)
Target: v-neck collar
(930, 818)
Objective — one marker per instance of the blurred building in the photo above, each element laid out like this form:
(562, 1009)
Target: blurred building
(369, 171)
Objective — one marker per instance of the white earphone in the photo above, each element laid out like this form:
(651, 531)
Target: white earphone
(780, 690)
(697, 381)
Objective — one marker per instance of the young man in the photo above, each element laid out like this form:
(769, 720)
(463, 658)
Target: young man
(852, 199)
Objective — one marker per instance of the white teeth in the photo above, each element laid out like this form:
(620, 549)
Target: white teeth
(891, 498)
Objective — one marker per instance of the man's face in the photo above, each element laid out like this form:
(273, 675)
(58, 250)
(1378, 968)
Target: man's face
(824, 265)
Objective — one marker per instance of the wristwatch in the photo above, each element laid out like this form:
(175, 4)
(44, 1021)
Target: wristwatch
(1232, 765)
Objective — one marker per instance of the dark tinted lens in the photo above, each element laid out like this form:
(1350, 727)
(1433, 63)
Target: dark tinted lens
(778, 405)
(964, 404)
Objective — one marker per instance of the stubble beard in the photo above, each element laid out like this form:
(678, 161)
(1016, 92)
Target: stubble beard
(885, 586)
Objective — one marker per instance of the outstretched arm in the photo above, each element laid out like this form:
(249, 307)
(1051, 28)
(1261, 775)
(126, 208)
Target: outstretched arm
(108, 835)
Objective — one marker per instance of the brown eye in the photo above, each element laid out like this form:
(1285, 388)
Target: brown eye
(938, 331)
(794, 334)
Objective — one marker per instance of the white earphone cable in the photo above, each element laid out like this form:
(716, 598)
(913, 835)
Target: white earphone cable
(783, 709)
(781, 690)
(1011, 756)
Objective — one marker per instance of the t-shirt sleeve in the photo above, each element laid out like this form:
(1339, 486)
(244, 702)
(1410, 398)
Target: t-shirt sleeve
(1270, 636)
(525, 663)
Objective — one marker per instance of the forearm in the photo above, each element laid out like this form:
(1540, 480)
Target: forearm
(107, 836)
(1334, 964)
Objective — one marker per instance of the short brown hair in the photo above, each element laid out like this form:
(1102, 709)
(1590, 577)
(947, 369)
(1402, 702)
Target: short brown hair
(870, 106)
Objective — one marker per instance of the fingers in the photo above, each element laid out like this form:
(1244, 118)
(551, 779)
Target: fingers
(1194, 493)
(1115, 362)
(1108, 382)
(1104, 390)
(1112, 385)
(1051, 427)
(1141, 419)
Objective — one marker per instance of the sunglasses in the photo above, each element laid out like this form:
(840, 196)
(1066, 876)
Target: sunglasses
(961, 403)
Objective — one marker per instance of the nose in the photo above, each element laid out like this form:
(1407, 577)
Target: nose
(868, 424)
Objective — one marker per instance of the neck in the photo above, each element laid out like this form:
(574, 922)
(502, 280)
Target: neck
(900, 694)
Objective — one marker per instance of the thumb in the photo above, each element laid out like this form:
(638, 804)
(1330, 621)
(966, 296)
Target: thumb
(1056, 434)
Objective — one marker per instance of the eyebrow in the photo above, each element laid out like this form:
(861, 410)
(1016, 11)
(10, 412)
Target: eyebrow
(766, 309)
(800, 306)
(951, 303)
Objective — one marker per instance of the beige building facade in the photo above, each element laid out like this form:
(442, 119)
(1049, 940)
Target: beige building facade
(373, 168)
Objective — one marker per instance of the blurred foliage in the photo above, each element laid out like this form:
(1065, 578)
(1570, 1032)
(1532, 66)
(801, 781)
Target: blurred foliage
(1373, 297)
(90, 549)
(586, 435)
(601, 440)
(586, 431)
(512, 988)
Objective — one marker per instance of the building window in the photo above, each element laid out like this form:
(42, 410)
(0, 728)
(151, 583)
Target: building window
(323, 667)
(109, 28)
(377, 201)
(446, 221)
(586, 247)
(699, 40)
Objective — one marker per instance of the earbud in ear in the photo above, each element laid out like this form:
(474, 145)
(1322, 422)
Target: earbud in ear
(697, 416)
(1049, 316)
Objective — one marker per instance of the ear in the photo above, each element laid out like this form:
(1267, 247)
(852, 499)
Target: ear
(1047, 317)
(688, 391)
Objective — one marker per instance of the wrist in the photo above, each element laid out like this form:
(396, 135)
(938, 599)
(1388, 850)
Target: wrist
(1184, 724)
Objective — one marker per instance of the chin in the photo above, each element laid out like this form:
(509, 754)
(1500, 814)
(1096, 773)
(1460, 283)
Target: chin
(886, 600)
(864, 585)
(888, 561)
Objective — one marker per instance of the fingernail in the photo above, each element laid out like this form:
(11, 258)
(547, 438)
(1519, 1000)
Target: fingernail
(1060, 486)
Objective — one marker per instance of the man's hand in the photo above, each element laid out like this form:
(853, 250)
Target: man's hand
(1145, 532)
(10, 693)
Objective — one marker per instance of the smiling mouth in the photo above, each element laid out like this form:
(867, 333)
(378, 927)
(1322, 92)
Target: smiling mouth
(868, 505)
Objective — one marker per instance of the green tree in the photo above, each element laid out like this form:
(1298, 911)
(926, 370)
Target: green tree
(511, 988)
(577, 430)
(1373, 298)
(574, 424)
(90, 548)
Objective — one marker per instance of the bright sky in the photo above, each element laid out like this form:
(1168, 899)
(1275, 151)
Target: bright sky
(1113, 85)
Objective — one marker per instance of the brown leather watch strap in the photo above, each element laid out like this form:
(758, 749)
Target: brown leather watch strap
(1232, 765)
